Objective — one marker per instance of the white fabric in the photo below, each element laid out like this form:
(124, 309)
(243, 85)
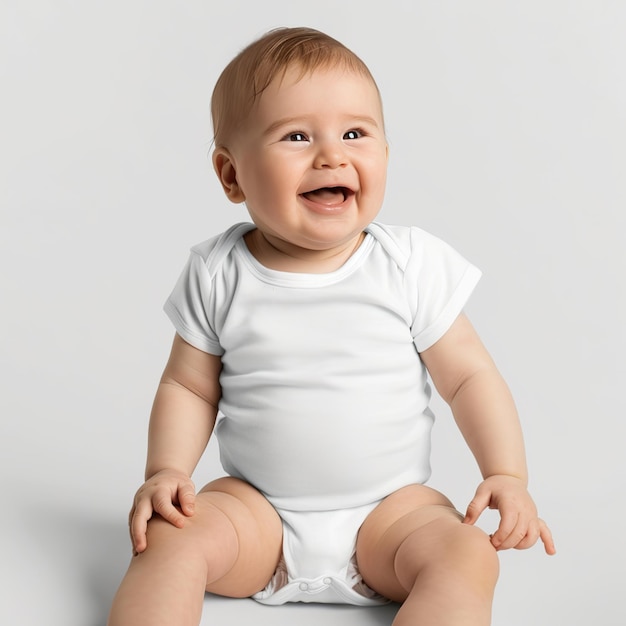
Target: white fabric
(319, 560)
(325, 398)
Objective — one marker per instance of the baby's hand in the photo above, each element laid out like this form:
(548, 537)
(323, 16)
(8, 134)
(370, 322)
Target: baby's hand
(167, 493)
(520, 527)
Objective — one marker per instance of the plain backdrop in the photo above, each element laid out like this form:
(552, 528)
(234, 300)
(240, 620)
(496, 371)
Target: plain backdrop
(507, 132)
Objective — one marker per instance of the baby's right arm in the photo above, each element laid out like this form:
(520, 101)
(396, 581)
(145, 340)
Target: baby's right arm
(181, 422)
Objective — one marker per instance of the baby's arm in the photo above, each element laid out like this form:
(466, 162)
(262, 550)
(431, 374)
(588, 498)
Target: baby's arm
(467, 379)
(181, 422)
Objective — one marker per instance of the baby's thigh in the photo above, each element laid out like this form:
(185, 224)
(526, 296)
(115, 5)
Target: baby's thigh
(253, 524)
(387, 527)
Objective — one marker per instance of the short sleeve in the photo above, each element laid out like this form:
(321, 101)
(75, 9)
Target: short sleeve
(444, 281)
(189, 306)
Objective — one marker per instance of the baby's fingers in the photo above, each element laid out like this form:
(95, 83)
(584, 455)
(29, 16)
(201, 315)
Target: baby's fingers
(546, 538)
(187, 498)
(522, 536)
(162, 504)
(510, 531)
(138, 524)
(479, 503)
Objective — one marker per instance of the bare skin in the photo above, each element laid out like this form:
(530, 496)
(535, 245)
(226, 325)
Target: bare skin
(230, 545)
(414, 549)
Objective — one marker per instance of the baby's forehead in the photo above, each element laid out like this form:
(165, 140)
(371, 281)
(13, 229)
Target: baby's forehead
(295, 75)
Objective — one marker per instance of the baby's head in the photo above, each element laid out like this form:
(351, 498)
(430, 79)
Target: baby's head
(249, 74)
(299, 137)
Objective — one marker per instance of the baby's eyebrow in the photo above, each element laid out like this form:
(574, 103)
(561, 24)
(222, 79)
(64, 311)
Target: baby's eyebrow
(285, 121)
(366, 120)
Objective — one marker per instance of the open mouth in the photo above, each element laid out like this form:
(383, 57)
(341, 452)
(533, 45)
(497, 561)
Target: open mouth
(329, 195)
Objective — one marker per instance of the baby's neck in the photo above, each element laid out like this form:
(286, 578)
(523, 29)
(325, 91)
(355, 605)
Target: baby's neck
(284, 257)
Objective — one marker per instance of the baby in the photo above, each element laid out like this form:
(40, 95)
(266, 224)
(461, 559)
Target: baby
(311, 331)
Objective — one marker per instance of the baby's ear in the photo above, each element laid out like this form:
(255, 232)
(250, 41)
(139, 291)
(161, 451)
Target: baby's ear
(225, 169)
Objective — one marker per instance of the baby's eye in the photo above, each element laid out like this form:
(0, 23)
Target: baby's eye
(296, 137)
(353, 134)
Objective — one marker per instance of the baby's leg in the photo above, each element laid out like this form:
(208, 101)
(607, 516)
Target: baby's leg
(414, 549)
(230, 546)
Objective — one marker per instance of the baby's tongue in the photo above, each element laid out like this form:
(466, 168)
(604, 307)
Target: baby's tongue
(326, 195)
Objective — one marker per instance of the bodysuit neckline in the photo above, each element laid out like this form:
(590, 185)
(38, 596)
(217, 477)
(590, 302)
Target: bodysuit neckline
(303, 280)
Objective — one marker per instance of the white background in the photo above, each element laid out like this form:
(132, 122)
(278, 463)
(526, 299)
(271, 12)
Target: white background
(507, 128)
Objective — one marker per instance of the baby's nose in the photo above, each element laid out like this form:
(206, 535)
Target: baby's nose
(330, 154)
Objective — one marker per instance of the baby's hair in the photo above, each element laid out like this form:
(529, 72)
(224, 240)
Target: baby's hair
(246, 77)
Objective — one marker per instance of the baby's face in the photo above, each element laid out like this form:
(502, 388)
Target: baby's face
(311, 160)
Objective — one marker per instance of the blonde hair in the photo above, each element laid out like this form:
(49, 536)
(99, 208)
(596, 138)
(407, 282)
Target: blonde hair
(246, 77)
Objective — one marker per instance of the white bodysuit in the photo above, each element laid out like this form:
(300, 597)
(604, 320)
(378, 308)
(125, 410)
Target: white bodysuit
(324, 403)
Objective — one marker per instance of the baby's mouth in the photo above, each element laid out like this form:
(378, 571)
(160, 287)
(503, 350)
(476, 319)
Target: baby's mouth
(328, 195)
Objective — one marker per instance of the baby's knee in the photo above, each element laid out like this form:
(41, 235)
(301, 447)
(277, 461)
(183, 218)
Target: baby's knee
(470, 547)
(450, 546)
(208, 530)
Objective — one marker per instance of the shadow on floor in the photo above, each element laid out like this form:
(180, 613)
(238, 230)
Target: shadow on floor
(75, 559)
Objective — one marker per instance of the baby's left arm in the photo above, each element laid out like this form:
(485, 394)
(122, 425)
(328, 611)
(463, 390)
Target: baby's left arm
(467, 379)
